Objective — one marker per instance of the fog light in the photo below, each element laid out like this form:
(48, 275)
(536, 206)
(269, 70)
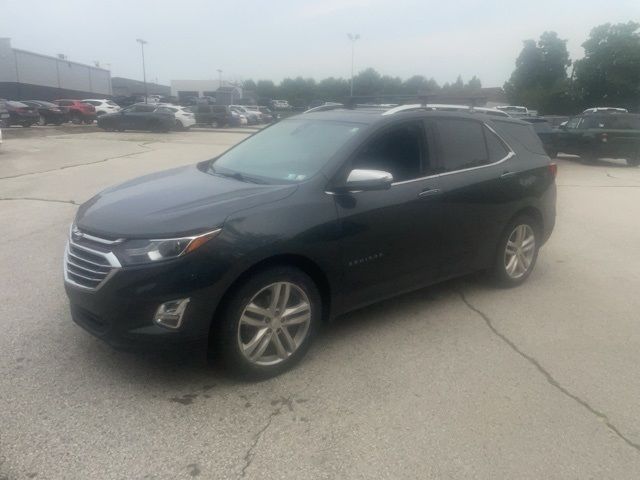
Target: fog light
(169, 314)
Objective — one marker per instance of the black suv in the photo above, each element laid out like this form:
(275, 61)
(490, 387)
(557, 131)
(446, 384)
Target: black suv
(601, 134)
(311, 217)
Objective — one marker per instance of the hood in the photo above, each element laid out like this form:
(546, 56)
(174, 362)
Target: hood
(170, 203)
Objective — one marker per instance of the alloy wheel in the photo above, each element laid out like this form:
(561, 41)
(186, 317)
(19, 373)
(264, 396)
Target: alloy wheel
(520, 251)
(274, 324)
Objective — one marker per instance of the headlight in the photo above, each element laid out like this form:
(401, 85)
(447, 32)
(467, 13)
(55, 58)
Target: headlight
(135, 252)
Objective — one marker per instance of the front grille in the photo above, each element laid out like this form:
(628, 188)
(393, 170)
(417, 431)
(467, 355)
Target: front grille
(88, 260)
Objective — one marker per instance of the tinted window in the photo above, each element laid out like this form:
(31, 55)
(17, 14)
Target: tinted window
(397, 151)
(573, 122)
(521, 134)
(462, 144)
(65, 103)
(92, 102)
(144, 108)
(497, 149)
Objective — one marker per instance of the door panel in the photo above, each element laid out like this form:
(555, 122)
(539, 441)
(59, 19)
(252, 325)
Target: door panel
(390, 239)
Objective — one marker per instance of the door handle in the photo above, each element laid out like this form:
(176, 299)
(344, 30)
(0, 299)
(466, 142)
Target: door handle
(508, 175)
(429, 192)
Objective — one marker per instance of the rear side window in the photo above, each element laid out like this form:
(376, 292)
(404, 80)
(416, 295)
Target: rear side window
(523, 135)
(461, 144)
(495, 146)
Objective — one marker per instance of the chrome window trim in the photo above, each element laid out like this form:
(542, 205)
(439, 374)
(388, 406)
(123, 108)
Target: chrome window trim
(510, 154)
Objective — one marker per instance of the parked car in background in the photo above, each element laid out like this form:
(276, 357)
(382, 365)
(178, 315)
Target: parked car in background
(141, 116)
(315, 216)
(515, 110)
(268, 115)
(21, 113)
(4, 115)
(252, 117)
(103, 106)
(280, 105)
(184, 117)
(77, 111)
(599, 135)
(49, 113)
(254, 109)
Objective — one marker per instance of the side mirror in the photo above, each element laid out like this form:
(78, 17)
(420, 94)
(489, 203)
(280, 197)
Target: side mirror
(366, 180)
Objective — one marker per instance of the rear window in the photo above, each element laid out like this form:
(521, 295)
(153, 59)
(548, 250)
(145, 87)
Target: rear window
(523, 135)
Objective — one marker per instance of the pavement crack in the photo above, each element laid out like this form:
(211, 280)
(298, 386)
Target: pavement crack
(64, 167)
(545, 373)
(248, 457)
(51, 200)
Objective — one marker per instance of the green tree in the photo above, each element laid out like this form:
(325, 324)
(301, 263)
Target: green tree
(609, 73)
(249, 85)
(540, 79)
(266, 89)
(367, 82)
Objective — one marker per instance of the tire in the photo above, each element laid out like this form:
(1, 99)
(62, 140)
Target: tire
(504, 272)
(42, 121)
(233, 336)
(26, 125)
(76, 119)
(179, 126)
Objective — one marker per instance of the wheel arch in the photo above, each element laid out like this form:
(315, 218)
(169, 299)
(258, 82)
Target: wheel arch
(532, 212)
(301, 262)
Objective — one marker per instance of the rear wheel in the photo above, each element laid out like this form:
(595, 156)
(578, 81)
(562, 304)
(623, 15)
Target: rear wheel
(26, 124)
(268, 323)
(517, 251)
(76, 118)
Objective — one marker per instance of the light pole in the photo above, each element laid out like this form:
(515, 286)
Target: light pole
(353, 37)
(219, 78)
(144, 71)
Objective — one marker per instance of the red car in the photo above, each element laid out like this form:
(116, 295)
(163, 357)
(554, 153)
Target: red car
(77, 111)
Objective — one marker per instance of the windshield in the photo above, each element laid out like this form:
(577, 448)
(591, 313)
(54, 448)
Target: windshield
(288, 152)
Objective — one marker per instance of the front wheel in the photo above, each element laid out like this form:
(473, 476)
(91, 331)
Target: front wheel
(268, 323)
(517, 252)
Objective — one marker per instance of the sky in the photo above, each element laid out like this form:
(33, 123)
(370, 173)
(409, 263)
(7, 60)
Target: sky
(274, 39)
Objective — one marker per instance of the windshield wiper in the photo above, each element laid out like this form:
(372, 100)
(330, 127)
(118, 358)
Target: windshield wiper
(235, 175)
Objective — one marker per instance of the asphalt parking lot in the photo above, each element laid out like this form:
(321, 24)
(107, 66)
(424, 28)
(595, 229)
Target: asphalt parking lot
(460, 380)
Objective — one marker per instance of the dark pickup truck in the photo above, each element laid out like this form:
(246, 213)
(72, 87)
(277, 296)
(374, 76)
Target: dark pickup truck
(598, 135)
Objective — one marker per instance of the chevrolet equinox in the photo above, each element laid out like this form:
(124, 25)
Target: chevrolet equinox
(319, 214)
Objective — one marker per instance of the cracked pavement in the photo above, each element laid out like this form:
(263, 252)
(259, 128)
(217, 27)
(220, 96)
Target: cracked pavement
(460, 380)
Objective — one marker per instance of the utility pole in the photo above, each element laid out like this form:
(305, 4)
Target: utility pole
(353, 37)
(144, 71)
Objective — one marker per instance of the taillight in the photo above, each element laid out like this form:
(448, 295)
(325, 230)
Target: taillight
(553, 169)
(604, 138)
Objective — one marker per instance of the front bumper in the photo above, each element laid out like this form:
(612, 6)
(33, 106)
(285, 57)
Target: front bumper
(121, 310)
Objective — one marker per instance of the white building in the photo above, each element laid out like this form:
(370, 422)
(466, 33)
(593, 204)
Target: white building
(26, 75)
(194, 88)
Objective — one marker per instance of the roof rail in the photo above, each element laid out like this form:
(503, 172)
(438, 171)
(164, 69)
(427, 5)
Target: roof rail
(446, 108)
(322, 108)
